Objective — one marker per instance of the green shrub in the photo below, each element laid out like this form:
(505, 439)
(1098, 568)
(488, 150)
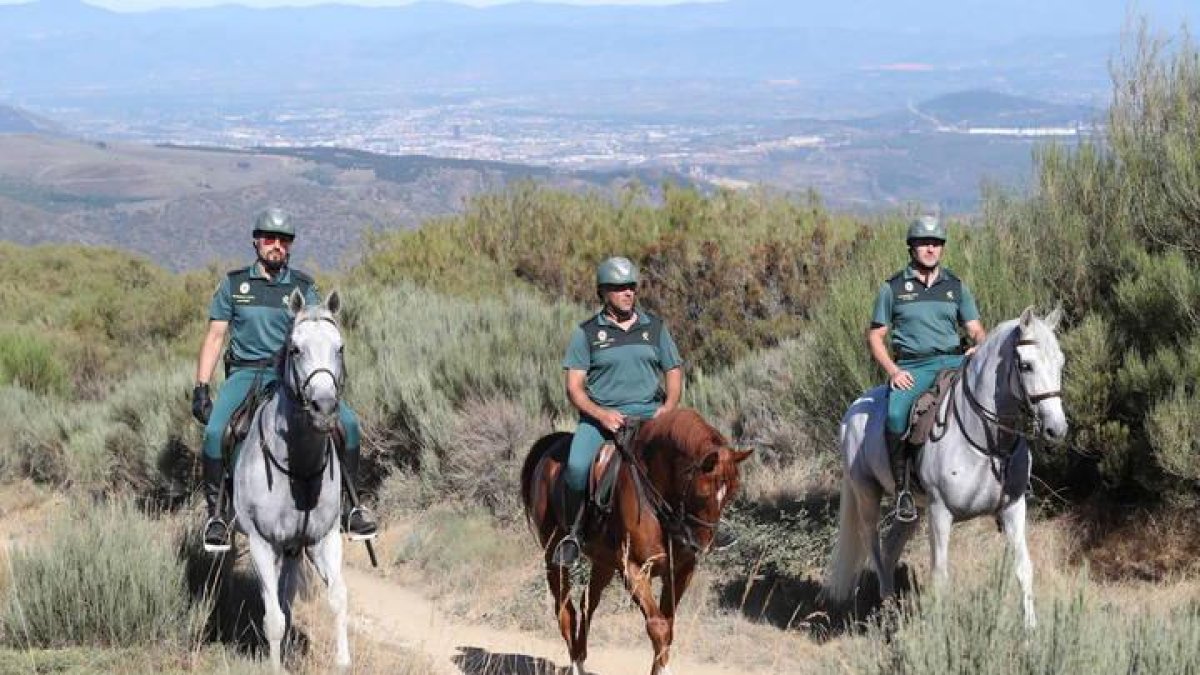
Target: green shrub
(32, 362)
(978, 630)
(107, 576)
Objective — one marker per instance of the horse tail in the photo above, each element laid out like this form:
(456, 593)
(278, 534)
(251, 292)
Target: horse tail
(539, 450)
(850, 553)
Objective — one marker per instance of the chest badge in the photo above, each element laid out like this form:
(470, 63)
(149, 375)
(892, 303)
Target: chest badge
(244, 288)
(908, 286)
(950, 294)
(646, 335)
(602, 336)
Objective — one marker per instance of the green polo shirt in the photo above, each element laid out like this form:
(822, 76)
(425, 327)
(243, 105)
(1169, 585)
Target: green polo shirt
(623, 367)
(256, 308)
(923, 321)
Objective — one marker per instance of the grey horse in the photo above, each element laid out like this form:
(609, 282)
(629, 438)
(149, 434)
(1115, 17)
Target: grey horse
(976, 463)
(287, 479)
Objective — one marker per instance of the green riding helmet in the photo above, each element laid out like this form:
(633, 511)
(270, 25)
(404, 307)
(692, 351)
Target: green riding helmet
(616, 271)
(926, 227)
(274, 221)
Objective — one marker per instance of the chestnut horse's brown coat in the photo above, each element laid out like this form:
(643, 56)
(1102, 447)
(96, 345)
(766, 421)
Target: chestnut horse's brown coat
(684, 464)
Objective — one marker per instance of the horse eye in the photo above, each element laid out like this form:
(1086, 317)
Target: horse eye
(1026, 367)
(295, 351)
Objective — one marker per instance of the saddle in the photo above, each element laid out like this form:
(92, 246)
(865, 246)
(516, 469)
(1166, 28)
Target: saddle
(924, 413)
(602, 478)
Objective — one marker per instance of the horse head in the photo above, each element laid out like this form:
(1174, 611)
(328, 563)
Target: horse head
(1039, 364)
(313, 365)
(693, 467)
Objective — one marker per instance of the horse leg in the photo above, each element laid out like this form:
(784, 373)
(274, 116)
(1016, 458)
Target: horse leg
(289, 580)
(897, 538)
(327, 558)
(559, 580)
(672, 592)
(637, 579)
(940, 522)
(266, 564)
(600, 578)
(1014, 528)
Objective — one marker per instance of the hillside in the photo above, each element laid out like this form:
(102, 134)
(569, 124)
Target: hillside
(18, 121)
(187, 207)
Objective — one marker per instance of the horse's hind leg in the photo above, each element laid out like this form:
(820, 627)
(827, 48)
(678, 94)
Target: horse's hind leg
(559, 580)
(893, 547)
(266, 564)
(1014, 528)
(327, 558)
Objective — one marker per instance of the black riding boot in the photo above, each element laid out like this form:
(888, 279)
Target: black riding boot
(216, 530)
(906, 508)
(569, 548)
(359, 523)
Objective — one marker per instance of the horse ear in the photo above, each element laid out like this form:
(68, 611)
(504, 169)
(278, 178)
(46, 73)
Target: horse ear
(295, 301)
(333, 303)
(740, 456)
(710, 461)
(1027, 316)
(1054, 318)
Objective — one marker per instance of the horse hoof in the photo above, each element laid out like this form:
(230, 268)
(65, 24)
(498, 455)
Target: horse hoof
(577, 668)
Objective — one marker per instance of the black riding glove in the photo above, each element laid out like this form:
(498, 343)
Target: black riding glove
(201, 404)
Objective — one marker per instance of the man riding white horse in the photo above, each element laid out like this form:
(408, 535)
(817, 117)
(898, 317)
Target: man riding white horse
(254, 301)
(922, 306)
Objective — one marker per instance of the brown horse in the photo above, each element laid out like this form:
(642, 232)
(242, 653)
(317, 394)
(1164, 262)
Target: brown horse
(664, 514)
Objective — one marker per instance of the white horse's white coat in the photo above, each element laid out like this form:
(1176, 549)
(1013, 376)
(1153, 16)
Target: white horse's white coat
(960, 481)
(284, 517)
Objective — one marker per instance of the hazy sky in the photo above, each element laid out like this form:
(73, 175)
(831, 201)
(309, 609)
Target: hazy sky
(137, 5)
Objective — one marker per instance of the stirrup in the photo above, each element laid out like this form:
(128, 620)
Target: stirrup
(568, 552)
(366, 530)
(906, 508)
(216, 545)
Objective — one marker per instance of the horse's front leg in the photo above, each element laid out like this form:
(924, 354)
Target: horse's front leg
(266, 564)
(327, 557)
(658, 627)
(1014, 528)
(897, 538)
(940, 522)
(601, 576)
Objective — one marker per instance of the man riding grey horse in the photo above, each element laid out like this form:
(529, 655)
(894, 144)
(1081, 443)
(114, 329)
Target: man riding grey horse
(250, 305)
(922, 305)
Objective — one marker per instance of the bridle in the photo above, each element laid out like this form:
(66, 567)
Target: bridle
(300, 388)
(677, 520)
(1028, 404)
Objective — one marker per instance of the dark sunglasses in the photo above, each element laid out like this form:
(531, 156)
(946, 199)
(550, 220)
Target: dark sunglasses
(272, 238)
(617, 288)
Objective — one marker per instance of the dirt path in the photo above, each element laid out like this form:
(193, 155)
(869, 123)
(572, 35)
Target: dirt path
(393, 614)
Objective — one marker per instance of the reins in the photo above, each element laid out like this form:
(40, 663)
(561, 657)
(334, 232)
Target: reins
(675, 520)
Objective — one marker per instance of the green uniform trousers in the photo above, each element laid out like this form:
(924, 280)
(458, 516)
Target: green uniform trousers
(924, 371)
(587, 441)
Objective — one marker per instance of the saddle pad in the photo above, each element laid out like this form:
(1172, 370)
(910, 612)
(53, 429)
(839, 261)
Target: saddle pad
(924, 412)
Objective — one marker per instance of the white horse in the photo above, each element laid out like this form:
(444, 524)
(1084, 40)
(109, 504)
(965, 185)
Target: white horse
(287, 481)
(977, 461)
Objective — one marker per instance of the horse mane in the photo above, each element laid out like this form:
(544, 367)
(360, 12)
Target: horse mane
(682, 431)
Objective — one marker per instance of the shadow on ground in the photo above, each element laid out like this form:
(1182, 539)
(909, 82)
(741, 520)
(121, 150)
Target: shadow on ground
(477, 661)
(228, 586)
(795, 604)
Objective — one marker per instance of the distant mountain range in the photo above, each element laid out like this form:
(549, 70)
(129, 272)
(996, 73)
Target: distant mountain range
(59, 50)
(18, 121)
